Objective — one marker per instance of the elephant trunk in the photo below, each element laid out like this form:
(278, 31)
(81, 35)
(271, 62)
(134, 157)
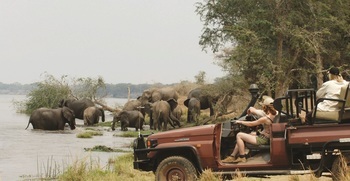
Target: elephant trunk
(174, 120)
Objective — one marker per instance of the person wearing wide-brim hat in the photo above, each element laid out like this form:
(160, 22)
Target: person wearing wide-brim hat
(258, 113)
(266, 117)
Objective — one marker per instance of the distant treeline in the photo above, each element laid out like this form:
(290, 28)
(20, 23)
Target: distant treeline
(112, 90)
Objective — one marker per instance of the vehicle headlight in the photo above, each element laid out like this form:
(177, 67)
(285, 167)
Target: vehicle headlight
(152, 143)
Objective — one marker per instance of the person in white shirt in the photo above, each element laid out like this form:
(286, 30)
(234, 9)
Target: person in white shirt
(330, 89)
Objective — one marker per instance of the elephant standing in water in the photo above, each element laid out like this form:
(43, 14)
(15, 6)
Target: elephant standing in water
(127, 119)
(162, 114)
(134, 105)
(52, 119)
(78, 106)
(153, 95)
(92, 115)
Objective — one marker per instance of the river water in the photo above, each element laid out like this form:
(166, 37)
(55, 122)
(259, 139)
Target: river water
(28, 154)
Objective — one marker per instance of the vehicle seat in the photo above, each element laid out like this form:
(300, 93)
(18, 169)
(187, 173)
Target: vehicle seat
(342, 115)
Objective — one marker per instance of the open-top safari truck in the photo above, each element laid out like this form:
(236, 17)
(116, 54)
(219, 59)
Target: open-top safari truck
(320, 146)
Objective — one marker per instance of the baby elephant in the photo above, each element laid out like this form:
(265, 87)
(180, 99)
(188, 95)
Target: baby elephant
(92, 115)
(133, 119)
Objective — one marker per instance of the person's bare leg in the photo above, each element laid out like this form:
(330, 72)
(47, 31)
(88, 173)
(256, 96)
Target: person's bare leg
(235, 151)
(244, 137)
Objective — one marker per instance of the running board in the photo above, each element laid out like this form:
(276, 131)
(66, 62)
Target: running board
(267, 172)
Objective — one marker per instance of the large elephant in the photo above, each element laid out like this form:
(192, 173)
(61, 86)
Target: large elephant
(78, 106)
(156, 94)
(209, 97)
(52, 119)
(194, 108)
(206, 101)
(92, 115)
(162, 114)
(127, 119)
(134, 105)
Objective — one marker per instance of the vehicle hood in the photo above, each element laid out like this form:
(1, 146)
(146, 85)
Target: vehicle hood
(185, 132)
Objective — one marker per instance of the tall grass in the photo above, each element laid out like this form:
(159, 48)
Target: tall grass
(120, 168)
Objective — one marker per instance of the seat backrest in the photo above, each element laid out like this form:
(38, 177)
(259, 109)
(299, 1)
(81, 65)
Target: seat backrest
(344, 94)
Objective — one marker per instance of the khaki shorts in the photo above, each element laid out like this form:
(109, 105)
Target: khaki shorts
(262, 140)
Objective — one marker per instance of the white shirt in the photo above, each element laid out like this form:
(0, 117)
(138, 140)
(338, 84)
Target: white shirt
(330, 89)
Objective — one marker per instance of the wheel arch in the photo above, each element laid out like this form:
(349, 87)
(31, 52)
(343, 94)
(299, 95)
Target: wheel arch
(187, 152)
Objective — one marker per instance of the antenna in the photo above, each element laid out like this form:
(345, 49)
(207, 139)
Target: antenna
(139, 109)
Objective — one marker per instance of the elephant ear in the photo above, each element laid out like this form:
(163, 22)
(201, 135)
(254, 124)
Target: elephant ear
(61, 103)
(186, 102)
(67, 113)
(173, 103)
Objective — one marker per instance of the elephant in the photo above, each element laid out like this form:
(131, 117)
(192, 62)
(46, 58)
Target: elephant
(134, 105)
(177, 112)
(78, 106)
(162, 114)
(156, 94)
(209, 98)
(52, 119)
(194, 108)
(127, 119)
(92, 115)
(206, 101)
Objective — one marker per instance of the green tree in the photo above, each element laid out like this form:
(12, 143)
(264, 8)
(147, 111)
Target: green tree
(277, 44)
(51, 91)
(200, 78)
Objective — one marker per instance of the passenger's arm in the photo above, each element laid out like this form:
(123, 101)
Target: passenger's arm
(260, 121)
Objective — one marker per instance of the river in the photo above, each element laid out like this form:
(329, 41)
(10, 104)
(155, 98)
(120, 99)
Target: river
(29, 154)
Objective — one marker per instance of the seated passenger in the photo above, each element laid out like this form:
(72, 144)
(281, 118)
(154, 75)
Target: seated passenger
(263, 138)
(330, 89)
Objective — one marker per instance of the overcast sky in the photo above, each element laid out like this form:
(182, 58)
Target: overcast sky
(123, 41)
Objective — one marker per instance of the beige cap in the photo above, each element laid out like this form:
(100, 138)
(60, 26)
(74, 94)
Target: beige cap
(267, 100)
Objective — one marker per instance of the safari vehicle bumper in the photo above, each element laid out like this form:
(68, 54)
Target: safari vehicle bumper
(141, 162)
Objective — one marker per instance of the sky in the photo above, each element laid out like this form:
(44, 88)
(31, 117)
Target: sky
(122, 41)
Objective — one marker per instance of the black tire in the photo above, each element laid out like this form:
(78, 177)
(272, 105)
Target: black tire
(176, 168)
(341, 167)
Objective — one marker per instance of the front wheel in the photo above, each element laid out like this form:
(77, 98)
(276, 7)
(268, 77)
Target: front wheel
(341, 167)
(176, 168)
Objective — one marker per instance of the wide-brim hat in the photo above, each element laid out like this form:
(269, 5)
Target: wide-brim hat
(266, 100)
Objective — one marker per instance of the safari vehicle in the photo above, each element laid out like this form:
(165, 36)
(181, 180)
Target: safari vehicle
(295, 148)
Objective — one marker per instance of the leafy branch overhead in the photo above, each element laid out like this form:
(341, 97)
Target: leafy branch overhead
(277, 44)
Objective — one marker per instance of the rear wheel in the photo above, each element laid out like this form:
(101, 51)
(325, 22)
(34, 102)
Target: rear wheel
(341, 167)
(176, 168)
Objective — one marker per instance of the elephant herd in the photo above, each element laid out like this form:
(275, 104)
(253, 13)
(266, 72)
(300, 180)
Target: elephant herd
(162, 107)
(69, 109)
(160, 104)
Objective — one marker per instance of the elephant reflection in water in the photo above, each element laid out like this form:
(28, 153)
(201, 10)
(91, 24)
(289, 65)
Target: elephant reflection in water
(52, 119)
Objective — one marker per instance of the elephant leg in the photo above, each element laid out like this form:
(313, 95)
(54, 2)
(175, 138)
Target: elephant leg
(113, 124)
(151, 122)
(189, 116)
